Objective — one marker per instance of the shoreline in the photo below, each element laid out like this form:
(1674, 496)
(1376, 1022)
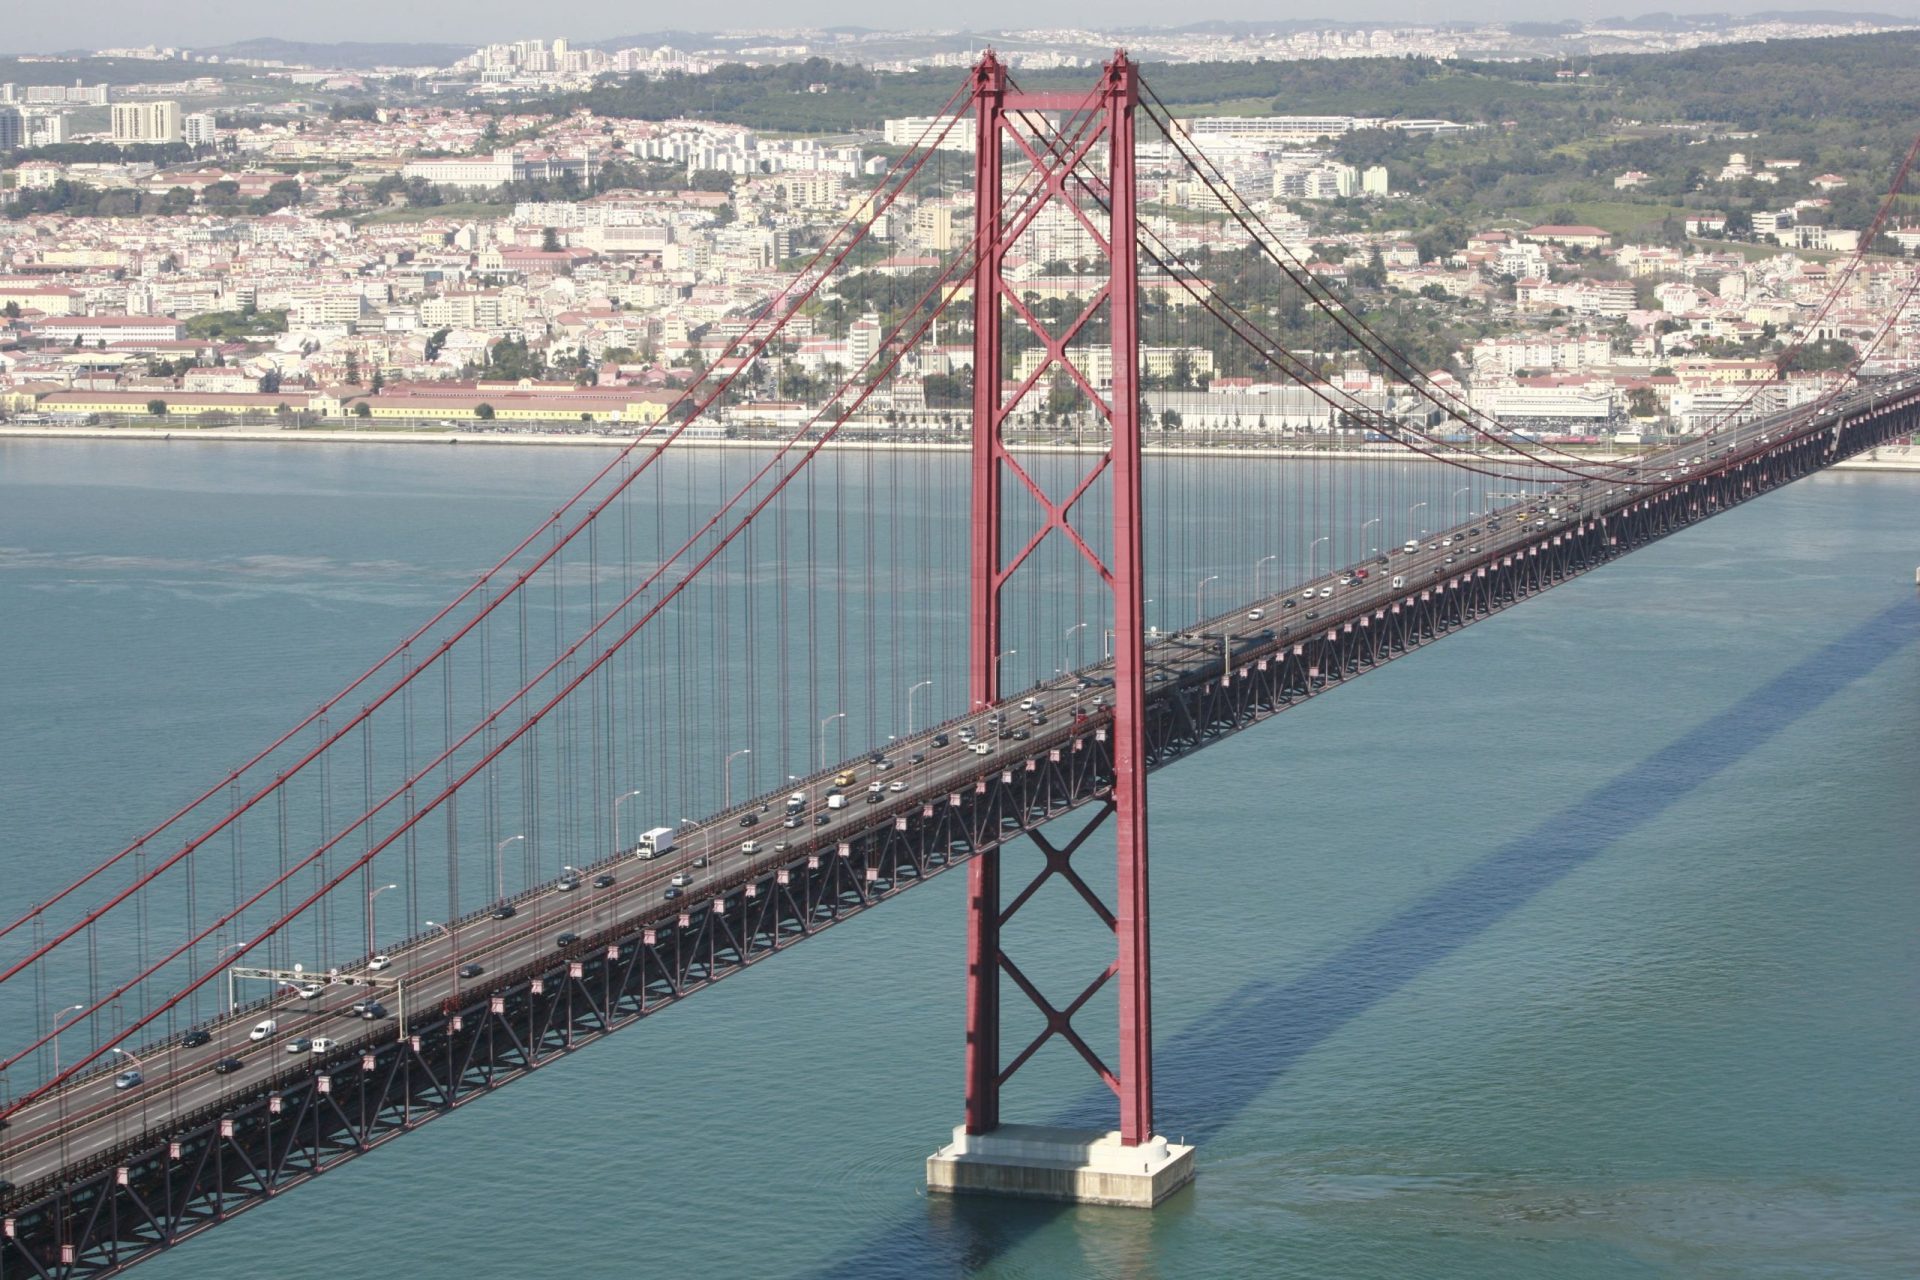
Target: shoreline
(1903, 459)
(534, 439)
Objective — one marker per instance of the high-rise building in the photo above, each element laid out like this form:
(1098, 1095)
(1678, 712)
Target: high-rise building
(146, 122)
(13, 129)
(197, 129)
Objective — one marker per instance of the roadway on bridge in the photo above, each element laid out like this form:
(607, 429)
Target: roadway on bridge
(91, 1115)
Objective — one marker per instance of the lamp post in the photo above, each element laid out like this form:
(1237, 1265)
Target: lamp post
(824, 722)
(453, 954)
(999, 658)
(1310, 546)
(616, 819)
(924, 684)
(56, 1037)
(1363, 531)
(1412, 531)
(1065, 637)
(371, 895)
(141, 1067)
(1257, 565)
(499, 870)
(1200, 598)
(726, 777)
(1465, 488)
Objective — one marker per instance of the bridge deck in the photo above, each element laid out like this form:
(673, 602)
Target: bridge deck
(956, 802)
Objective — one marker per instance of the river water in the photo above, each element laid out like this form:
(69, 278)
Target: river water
(1579, 946)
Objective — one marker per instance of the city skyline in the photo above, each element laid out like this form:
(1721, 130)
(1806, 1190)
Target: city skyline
(211, 23)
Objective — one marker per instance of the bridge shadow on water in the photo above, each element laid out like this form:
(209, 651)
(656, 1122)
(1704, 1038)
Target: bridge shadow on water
(1211, 1071)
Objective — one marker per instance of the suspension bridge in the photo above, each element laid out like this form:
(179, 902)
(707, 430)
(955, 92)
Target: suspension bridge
(851, 696)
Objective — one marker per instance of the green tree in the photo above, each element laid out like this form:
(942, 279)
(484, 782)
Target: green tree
(1643, 403)
(550, 240)
(353, 369)
(363, 410)
(158, 408)
(484, 412)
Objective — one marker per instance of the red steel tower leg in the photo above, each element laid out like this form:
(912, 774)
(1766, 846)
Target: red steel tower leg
(1005, 131)
(1129, 644)
(983, 679)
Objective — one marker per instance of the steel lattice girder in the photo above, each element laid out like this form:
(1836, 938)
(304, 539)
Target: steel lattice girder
(162, 1187)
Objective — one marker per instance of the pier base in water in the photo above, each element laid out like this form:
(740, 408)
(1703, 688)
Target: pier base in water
(1078, 1166)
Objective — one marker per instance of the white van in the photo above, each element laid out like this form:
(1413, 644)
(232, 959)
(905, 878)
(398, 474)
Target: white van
(262, 1030)
(1413, 545)
(838, 800)
(1398, 582)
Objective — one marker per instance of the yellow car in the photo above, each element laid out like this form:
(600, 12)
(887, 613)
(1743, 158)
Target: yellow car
(844, 778)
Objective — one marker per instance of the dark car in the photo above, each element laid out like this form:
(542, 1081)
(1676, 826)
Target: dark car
(603, 880)
(227, 1066)
(918, 757)
(822, 819)
(875, 797)
(505, 911)
(1021, 734)
(472, 970)
(875, 757)
(374, 1012)
(749, 819)
(566, 940)
(673, 891)
(195, 1038)
(940, 739)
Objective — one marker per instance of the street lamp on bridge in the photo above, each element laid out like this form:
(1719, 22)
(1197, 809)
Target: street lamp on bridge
(1363, 535)
(726, 777)
(57, 1028)
(1256, 573)
(1465, 488)
(499, 870)
(453, 953)
(371, 895)
(1065, 638)
(1412, 530)
(924, 684)
(1200, 598)
(616, 819)
(824, 722)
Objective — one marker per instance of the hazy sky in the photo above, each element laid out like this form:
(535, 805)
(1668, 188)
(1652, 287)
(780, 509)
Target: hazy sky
(33, 25)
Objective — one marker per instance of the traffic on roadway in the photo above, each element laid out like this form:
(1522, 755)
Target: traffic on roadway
(324, 1023)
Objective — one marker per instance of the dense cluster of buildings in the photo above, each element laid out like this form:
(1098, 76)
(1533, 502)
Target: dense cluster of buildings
(600, 309)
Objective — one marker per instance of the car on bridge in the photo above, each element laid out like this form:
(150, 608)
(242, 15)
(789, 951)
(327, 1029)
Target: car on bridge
(505, 911)
(128, 1079)
(472, 970)
(566, 940)
(227, 1066)
(263, 1029)
(195, 1038)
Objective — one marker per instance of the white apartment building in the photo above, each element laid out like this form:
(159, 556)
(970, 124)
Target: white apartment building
(196, 130)
(1540, 352)
(146, 122)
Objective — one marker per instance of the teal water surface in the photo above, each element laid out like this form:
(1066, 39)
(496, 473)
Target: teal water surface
(1582, 945)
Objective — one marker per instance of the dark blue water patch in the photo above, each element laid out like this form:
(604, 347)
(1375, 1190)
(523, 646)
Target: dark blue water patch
(1214, 1069)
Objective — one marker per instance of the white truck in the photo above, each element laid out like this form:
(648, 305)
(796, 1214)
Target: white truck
(654, 842)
